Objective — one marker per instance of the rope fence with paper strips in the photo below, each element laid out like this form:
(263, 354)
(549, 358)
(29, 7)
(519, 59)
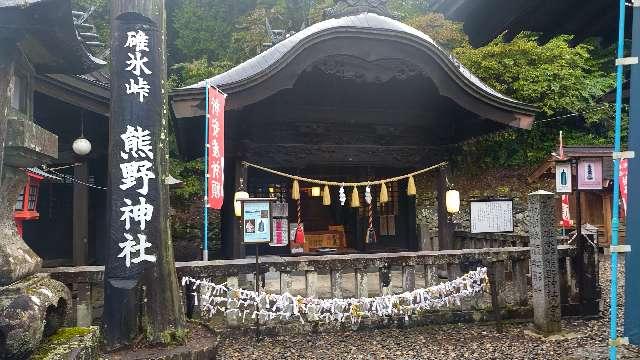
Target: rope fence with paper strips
(348, 184)
(215, 298)
(355, 198)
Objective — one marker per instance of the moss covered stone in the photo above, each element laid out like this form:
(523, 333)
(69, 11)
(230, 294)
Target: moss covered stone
(79, 343)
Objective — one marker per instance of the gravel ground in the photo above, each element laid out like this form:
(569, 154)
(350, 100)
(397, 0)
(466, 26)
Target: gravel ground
(580, 340)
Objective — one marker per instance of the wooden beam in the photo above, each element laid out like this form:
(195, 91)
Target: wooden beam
(303, 155)
(81, 216)
(75, 91)
(445, 230)
(239, 250)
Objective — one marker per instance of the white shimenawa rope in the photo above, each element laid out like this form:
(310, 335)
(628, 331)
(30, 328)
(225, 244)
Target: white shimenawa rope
(218, 297)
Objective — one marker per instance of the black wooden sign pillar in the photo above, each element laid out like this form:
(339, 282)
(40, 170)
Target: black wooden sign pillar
(141, 288)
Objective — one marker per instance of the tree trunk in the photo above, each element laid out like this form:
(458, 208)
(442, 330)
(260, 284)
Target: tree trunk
(141, 288)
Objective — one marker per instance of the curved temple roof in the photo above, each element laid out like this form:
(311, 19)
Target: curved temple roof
(370, 25)
(47, 35)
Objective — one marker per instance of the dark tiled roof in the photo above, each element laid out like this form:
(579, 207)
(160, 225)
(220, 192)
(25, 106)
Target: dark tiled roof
(263, 61)
(47, 35)
(484, 20)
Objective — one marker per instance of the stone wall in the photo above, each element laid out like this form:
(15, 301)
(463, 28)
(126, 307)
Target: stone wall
(475, 184)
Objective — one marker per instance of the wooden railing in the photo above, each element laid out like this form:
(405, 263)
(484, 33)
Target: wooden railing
(355, 275)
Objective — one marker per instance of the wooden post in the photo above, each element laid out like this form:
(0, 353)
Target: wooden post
(579, 243)
(80, 215)
(411, 226)
(141, 287)
(237, 247)
(606, 217)
(564, 281)
(445, 230)
(586, 267)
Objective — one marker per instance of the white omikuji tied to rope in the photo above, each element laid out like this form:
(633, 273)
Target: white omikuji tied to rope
(239, 302)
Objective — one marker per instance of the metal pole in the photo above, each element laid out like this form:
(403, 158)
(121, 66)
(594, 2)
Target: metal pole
(257, 287)
(632, 260)
(616, 191)
(205, 237)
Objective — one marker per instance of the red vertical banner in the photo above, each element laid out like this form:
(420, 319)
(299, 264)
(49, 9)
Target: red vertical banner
(624, 171)
(215, 146)
(566, 217)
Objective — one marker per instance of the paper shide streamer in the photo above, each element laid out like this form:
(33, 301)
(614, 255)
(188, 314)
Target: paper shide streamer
(213, 298)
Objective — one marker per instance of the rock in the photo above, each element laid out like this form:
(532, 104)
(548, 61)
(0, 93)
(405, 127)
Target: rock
(29, 310)
(78, 343)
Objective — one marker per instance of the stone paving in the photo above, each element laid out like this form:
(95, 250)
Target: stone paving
(580, 340)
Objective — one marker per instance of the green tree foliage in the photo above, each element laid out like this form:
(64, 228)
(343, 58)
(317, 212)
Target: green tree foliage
(203, 28)
(447, 33)
(184, 74)
(556, 77)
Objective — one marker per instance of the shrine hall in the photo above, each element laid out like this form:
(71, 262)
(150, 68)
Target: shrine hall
(355, 97)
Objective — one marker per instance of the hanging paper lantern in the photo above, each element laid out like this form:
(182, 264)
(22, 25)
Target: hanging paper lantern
(355, 198)
(411, 187)
(384, 197)
(367, 194)
(343, 197)
(295, 190)
(452, 201)
(326, 196)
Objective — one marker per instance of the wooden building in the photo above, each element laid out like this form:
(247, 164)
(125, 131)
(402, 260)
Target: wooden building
(595, 205)
(355, 97)
(50, 38)
(72, 228)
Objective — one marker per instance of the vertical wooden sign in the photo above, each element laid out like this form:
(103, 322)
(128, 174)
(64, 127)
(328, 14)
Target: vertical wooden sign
(140, 267)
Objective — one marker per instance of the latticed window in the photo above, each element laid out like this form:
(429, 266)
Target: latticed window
(20, 203)
(33, 196)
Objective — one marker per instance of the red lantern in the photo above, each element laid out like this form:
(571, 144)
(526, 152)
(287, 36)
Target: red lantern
(27, 203)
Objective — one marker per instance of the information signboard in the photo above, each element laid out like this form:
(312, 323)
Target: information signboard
(256, 221)
(491, 216)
